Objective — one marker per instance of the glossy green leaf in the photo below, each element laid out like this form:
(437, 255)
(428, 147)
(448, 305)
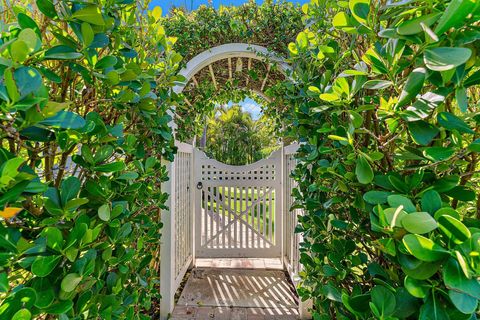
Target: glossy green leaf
(422, 132)
(384, 300)
(54, 238)
(433, 309)
(87, 34)
(104, 212)
(452, 122)
(417, 288)
(110, 167)
(19, 51)
(475, 146)
(419, 222)
(363, 170)
(462, 99)
(70, 282)
(455, 14)
(28, 80)
(453, 228)
(106, 62)
(413, 26)
(412, 86)
(42, 266)
(3, 282)
(463, 302)
(376, 197)
(431, 201)
(62, 52)
(360, 10)
(455, 280)
(447, 211)
(396, 200)
(65, 120)
(437, 154)
(22, 314)
(90, 14)
(423, 248)
(377, 84)
(26, 22)
(446, 58)
(462, 193)
(60, 307)
(47, 8)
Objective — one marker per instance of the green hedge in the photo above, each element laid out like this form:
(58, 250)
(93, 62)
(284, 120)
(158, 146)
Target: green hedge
(84, 94)
(386, 102)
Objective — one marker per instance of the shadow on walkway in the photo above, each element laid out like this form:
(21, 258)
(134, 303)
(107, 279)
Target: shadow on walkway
(237, 294)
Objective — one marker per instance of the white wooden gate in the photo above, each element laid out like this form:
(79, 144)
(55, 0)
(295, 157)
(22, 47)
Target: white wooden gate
(238, 208)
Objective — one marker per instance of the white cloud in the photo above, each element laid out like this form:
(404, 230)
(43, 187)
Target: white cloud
(250, 106)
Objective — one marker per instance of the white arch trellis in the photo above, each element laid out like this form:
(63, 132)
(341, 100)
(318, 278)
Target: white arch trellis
(178, 245)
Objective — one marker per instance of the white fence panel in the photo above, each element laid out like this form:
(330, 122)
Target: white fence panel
(177, 248)
(238, 208)
(292, 239)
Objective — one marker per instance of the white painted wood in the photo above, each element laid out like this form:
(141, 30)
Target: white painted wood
(292, 240)
(177, 248)
(231, 50)
(234, 206)
(167, 249)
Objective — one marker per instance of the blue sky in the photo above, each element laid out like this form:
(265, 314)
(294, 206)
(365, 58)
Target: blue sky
(249, 105)
(193, 4)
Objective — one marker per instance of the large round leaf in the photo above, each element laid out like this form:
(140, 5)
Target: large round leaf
(446, 58)
(451, 122)
(376, 197)
(384, 300)
(396, 200)
(419, 222)
(455, 15)
(422, 132)
(455, 279)
(463, 302)
(412, 87)
(453, 228)
(28, 80)
(414, 26)
(65, 120)
(431, 201)
(363, 170)
(417, 288)
(42, 266)
(423, 248)
(22, 314)
(70, 282)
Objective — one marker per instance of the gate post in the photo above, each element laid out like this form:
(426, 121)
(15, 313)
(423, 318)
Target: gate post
(167, 246)
(282, 192)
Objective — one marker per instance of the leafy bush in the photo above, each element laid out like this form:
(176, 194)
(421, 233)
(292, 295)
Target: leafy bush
(386, 101)
(84, 94)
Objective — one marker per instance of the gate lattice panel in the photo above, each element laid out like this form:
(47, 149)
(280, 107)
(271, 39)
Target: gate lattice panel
(238, 208)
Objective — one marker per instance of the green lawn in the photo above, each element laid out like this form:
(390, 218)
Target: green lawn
(241, 200)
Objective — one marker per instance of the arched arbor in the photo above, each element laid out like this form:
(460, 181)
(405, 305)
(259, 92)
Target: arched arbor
(200, 220)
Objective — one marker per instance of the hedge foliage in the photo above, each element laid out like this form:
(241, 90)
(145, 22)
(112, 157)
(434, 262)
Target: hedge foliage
(84, 94)
(386, 100)
(272, 24)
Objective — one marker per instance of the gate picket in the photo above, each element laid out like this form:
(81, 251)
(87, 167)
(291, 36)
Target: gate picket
(239, 205)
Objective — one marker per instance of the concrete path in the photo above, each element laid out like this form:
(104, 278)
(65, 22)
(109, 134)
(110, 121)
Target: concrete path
(237, 294)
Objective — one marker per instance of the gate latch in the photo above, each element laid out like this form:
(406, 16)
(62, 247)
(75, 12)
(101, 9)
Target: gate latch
(199, 185)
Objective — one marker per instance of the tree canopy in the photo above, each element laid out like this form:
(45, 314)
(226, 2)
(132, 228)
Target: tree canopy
(234, 138)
